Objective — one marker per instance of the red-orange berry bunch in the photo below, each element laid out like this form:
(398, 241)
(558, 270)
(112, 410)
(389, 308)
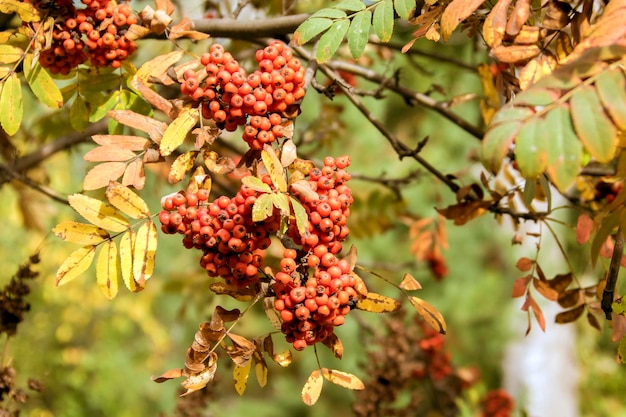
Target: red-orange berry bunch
(311, 304)
(438, 363)
(232, 98)
(497, 403)
(232, 244)
(96, 33)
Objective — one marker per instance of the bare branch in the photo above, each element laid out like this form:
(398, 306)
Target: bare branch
(250, 29)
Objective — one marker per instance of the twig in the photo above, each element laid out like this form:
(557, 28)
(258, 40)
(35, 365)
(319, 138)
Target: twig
(611, 277)
(413, 97)
(8, 173)
(250, 29)
(433, 56)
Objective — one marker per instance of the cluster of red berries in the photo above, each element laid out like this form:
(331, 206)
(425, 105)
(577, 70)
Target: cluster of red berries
(497, 403)
(96, 33)
(230, 97)
(232, 244)
(311, 304)
(438, 363)
(607, 191)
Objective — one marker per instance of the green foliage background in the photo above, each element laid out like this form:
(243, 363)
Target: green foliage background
(96, 357)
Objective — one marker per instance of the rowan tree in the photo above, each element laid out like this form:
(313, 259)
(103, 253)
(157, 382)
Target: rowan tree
(213, 106)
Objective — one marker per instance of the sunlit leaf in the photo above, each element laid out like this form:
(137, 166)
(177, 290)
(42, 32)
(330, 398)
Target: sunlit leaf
(455, 13)
(262, 208)
(75, 264)
(99, 213)
(274, 168)
(144, 252)
(594, 128)
(310, 28)
(108, 270)
(429, 313)
(383, 20)
(343, 379)
(127, 201)
(256, 184)
(240, 374)
(358, 33)
(281, 202)
(329, 42)
(302, 219)
(100, 175)
(26, 11)
(80, 233)
(10, 54)
(177, 131)
(377, 303)
(41, 83)
(495, 23)
(154, 128)
(11, 105)
(409, 283)
(127, 248)
(156, 67)
(313, 387)
(181, 166)
(108, 153)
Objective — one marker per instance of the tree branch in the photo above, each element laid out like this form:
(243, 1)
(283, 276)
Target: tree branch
(250, 29)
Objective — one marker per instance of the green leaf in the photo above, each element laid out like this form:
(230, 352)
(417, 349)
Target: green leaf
(536, 97)
(611, 87)
(383, 20)
(330, 41)
(11, 105)
(359, 32)
(621, 351)
(263, 208)
(593, 127)
(497, 143)
(94, 83)
(103, 109)
(79, 114)
(177, 131)
(564, 148)
(531, 148)
(329, 13)
(302, 219)
(42, 84)
(404, 8)
(310, 28)
(510, 113)
(350, 5)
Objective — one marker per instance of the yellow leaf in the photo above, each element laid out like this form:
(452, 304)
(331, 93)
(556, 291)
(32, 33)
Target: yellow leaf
(26, 11)
(144, 252)
(155, 68)
(126, 201)
(99, 213)
(80, 233)
(274, 168)
(181, 166)
(100, 175)
(11, 105)
(312, 388)
(75, 264)
(127, 245)
(343, 379)
(42, 84)
(240, 374)
(10, 54)
(409, 283)
(177, 131)
(260, 369)
(429, 313)
(108, 270)
(495, 23)
(377, 303)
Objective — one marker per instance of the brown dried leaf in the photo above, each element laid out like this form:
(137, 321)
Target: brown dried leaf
(537, 311)
(521, 12)
(593, 321)
(184, 29)
(240, 294)
(198, 381)
(570, 298)
(167, 375)
(333, 343)
(218, 164)
(205, 135)
(570, 315)
(282, 359)
(560, 282)
(544, 289)
(409, 283)
(288, 153)
(456, 12)
(515, 53)
(521, 286)
(462, 213)
(556, 15)
(351, 257)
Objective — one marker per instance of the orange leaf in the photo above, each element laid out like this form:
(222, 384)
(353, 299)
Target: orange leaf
(154, 128)
(520, 286)
(515, 53)
(108, 153)
(429, 313)
(584, 227)
(495, 23)
(524, 264)
(100, 175)
(409, 283)
(544, 289)
(456, 12)
(131, 143)
(135, 175)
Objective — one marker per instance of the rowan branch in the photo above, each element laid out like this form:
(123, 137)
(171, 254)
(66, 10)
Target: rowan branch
(270, 27)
